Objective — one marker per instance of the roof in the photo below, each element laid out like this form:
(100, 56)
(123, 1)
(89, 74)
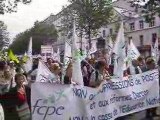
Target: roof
(126, 13)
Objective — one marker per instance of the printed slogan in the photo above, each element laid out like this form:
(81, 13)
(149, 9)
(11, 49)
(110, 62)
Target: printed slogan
(110, 100)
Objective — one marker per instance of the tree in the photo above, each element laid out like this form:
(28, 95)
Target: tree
(66, 20)
(150, 9)
(40, 33)
(4, 38)
(90, 15)
(10, 6)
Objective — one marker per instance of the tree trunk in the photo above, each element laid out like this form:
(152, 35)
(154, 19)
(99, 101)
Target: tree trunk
(89, 37)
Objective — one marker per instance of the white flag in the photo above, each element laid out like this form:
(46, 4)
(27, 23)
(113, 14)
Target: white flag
(132, 52)
(119, 50)
(44, 74)
(93, 48)
(110, 50)
(29, 63)
(76, 56)
(110, 46)
(29, 52)
(1, 113)
(155, 51)
(57, 55)
(67, 53)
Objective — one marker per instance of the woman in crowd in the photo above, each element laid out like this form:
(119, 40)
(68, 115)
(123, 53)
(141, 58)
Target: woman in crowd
(152, 112)
(5, 78)
(68, 74)
(56, 70)
(99, 75)
(16, 100)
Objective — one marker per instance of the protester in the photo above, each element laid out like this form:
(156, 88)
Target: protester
(99, 75)
(152, 112)
(85, 73)
(17, 100)
(141, 63)
(49, 62)
(12, 68)
(5, 79)
(56, 70)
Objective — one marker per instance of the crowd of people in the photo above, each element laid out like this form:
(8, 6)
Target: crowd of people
(15, 82)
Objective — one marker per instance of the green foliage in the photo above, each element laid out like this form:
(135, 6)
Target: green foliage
(67, 20)
(40, 33)
(90, 15)
(9, 6)
(150, 9)
(4, 39)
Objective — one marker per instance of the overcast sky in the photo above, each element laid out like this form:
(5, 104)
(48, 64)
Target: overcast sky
(28, 14)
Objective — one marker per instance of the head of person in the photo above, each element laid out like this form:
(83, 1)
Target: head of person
(11, 64)
(7, 73)
(49, 61)
(134, 62)
(20, 79)
(35, 64)
(91, 61)
(100, 65)
(55, 68)
(83, 63)
(140, 61)
(2, 65)
(150, 63)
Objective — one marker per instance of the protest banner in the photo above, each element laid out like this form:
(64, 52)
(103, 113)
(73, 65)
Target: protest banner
(110, 100)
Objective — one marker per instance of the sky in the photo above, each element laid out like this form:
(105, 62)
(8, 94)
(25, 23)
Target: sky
(26, 15)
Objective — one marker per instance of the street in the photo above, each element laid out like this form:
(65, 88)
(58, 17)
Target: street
(141, 116)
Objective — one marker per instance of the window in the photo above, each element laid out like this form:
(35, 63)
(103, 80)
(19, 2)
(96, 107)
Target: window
(152, 23)
(129, 38)
(132, 26)
(104, 33)
(111, 31)
(43, 54)
(141, 24)
(48, 54)
(154, 36)
(141, 40)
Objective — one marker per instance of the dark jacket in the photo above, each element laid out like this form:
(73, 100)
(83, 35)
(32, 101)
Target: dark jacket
(9, 101)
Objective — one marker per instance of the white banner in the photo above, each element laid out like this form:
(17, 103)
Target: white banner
(112, 99)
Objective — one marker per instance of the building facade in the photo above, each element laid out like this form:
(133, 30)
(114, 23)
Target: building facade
(142, 33)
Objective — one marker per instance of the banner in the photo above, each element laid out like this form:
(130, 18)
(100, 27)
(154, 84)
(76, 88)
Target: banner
(112, 99)
(44, 74)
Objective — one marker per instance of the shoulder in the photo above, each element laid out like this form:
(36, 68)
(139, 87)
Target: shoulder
(27, 87)
(14, 89)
